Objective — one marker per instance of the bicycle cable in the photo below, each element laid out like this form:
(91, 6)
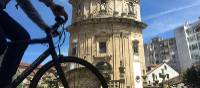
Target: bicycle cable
(61, 39)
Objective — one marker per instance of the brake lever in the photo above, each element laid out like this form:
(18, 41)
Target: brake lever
(59, 22)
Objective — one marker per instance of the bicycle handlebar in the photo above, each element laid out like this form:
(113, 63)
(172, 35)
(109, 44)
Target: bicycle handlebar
(59, 21)
(53, 29)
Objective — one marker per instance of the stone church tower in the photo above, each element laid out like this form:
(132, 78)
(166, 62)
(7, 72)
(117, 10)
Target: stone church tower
(109, 32)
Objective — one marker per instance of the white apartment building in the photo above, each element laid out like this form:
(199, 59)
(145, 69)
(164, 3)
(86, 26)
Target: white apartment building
(162, 51)
(188, 44)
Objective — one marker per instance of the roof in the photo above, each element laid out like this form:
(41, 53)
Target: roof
(155, 66)
(188, 25)
(175, 80)
(25, 65)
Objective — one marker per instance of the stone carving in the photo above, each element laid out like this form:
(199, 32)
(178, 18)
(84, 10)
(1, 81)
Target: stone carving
(78, 10)
(103, 5)
(131, 9)
(136, 1)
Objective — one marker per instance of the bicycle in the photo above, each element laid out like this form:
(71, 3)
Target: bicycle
(57, 61)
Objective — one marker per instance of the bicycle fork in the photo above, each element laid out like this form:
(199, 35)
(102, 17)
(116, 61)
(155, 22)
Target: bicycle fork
(58, 67)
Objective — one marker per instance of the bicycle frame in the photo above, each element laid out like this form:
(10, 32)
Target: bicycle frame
(50, 51)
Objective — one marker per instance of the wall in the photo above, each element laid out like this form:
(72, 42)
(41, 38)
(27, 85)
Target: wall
(183, 49)
(172, 73)
(119, 37)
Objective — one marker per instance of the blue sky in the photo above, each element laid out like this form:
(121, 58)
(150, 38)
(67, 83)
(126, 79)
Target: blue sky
(161, 16)
(165, 15)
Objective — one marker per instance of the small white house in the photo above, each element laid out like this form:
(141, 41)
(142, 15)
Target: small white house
(160, 73)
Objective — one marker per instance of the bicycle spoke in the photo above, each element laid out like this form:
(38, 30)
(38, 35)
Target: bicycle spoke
(68, 73)
(62, 76)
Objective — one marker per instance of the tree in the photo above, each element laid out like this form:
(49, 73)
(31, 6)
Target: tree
(192, 77)
(20, 85)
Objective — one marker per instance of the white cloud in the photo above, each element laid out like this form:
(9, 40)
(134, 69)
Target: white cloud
(171, 11)
(158, 29)
(165, 22)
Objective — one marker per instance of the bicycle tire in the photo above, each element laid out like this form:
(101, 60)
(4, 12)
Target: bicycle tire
(68, 59)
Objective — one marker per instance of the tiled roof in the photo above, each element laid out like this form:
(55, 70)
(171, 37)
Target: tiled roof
(155, 66)
(175, 80)
(25, 65)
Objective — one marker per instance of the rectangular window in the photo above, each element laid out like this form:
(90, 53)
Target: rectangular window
(198, 30)
(199, 45)
(198, 36)
(135, 47)
(173, 56)
(74, 49)
(102, 47)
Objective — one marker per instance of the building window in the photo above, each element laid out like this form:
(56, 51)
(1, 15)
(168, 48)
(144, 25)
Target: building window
(74, 49)
(135, 47)
(192, 38)
(199, 45)
(102, 47)
(165, 67)
(74, 46)
(198, 29)
(193, 47)
(173, 56)
(157, 62)
(198, 36)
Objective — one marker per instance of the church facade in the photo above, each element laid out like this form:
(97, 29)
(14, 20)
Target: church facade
(110, 32)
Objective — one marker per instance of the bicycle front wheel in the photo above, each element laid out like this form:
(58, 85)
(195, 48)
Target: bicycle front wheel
(77, 72)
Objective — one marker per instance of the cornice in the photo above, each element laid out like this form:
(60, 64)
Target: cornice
(109, 20)
(135, 1)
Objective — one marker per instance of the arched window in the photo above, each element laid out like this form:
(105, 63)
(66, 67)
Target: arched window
(135, 46)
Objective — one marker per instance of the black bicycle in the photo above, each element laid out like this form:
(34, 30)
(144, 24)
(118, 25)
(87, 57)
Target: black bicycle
(67, 71)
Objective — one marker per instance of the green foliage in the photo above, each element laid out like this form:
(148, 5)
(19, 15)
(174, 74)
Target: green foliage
(192, 77)
(20, 86)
